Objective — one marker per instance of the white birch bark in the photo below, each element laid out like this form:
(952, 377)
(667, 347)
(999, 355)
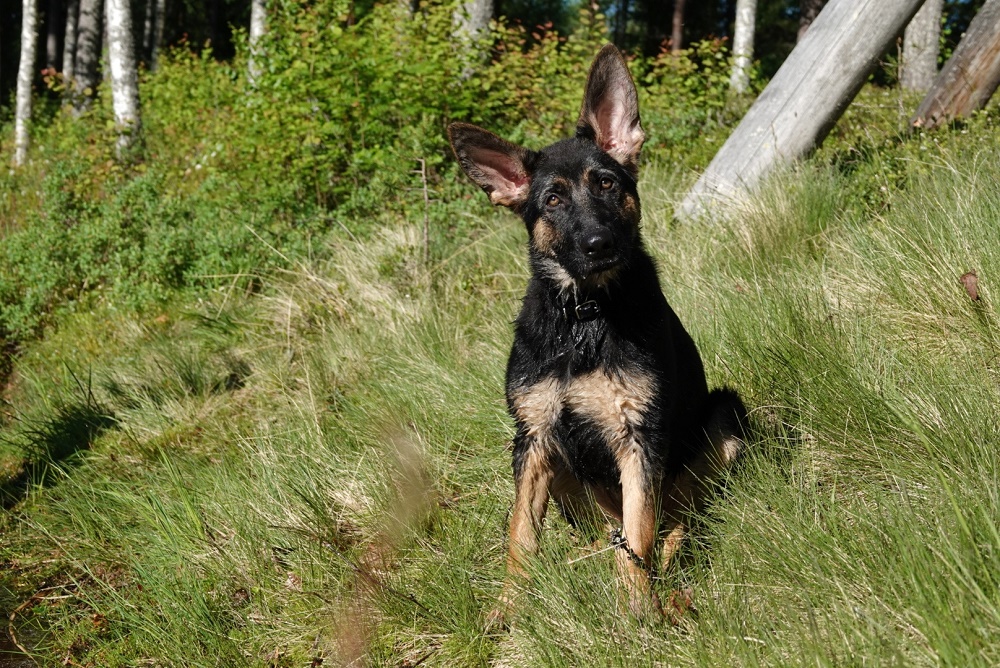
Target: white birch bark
(25, 72)
(258, 26)
(472, 22)
(124, 73)
(746, 21)
(920, 47)
(472, 18)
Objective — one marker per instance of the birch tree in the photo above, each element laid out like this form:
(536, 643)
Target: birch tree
(258, 26)
(25, 71)
(472, 18)
(472, 22)
(159, 17)
(124, 74)
(920, 47)
(52, 22)
(746, 20)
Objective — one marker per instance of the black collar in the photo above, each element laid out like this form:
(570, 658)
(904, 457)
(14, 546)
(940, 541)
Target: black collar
(581, 310)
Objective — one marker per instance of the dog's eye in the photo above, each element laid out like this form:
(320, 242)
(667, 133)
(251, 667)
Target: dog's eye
(553, 200)
(607, 183)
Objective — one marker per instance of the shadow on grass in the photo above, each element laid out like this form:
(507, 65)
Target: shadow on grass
(52, 441)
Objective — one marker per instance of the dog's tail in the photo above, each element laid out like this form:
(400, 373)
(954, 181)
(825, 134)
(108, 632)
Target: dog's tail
(725, 430)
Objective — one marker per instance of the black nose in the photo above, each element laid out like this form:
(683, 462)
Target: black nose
(597, 244)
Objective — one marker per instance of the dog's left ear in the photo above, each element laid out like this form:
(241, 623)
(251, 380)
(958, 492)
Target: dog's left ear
(610, 111)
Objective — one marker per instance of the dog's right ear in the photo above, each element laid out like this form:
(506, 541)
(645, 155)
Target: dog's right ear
(610, 111)
(500, 168)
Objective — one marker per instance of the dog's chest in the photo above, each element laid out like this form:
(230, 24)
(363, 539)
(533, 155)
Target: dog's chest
(589, 420)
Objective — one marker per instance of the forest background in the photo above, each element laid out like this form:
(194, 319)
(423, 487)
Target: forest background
(252, 366)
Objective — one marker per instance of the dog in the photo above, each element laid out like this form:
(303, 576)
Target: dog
(614, 420)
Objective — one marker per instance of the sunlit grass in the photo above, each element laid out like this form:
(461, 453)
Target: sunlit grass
(321, 470)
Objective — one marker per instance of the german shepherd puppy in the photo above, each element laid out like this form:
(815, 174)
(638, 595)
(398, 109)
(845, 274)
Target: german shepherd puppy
(614, 419)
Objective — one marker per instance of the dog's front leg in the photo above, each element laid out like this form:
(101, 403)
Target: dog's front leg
(533, 475)
(639, 528)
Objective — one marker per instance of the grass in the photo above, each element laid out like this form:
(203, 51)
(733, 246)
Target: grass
(318, 471)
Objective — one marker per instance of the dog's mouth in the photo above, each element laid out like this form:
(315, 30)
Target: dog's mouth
(604, 265)
(601, 273)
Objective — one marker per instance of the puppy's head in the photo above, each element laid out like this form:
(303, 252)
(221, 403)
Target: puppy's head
(578, 196)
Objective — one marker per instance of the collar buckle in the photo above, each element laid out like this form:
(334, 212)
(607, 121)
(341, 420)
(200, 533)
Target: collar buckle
(588, 310)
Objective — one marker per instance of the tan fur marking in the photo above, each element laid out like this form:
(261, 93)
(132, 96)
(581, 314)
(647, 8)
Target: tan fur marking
(562, 183)
(538, 407)
(615, 403)
(671, 544)
(558, 274)
(631, 208)
(601, 280)
(545, 236)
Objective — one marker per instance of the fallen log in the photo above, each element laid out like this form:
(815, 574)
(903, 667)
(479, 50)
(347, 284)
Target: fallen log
(804, 99)
(970, 77)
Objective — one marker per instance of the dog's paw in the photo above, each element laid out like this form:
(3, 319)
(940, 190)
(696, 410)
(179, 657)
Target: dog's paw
(645, 607)
(680, 605)
(498, 619)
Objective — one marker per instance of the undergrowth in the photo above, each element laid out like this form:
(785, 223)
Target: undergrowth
(254, 418)
(328, 137)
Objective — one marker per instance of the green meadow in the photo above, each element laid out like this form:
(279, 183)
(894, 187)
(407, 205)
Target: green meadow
(289, 446)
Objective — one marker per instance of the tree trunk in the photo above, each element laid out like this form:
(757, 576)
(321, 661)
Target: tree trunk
(804, 99)
(808, 11)
(971, 75)
(621, 22)
(89, 34)
(124, 74)
(472, 22)
(25, 75)
(677, 27)
(52, 35)
(472, 18)
(258, 26)
(158, 9)
(920, 47)
(69, 44)
(746, 19)
(148, 30)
